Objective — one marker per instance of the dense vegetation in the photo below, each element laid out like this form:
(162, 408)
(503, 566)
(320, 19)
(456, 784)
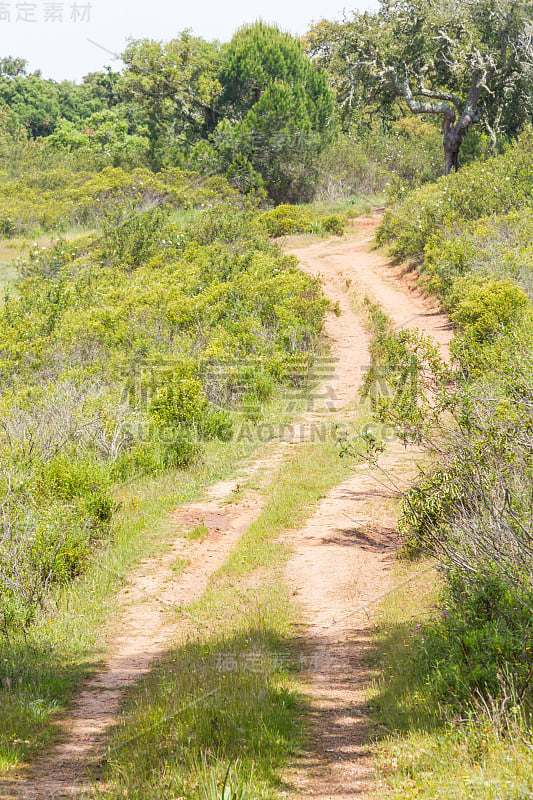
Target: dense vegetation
(158, 314)
(261, 111)
(470, 238)
(119, 353)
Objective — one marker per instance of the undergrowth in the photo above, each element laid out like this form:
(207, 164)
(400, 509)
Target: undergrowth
(428, 749)
(456, 694)
(41, 668)
(225, 701)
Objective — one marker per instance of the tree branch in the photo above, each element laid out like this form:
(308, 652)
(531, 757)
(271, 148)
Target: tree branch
(403, 89)
(449, 97)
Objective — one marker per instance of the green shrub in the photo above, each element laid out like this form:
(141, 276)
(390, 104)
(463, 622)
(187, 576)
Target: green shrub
(471, 235)
(334, 223)
(472, 511)
(99, 507)
(285, 220)
(485, 307)
(482, 645)
(67, 476)
(134, 241)
(42, 189)
(178, 448)
(124, 350)
(367, 160)
(499, 246)
(428, 504)
(179, 402)
(216, 424)
(72, 552)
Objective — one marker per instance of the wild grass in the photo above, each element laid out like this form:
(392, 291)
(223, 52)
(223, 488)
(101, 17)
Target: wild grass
(356, 205)
(222, 698)
(41, 670)
(225, 701)
(425, 751)
(303, 480)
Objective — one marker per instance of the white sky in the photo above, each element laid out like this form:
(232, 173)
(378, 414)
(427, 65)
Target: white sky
(61, 48)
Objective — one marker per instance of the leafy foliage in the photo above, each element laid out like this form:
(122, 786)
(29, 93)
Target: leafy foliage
(39, 105)
(473, 508)
(486, 308)
(176, 84)
(122, 352)
(44, 188)
(375, 159)
(462, 61)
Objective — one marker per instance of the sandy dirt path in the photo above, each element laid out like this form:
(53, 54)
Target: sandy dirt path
(341, 562)
(145, 629)
(146, 625)
(342, 557)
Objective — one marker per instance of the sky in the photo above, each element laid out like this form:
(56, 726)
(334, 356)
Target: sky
(66, 39)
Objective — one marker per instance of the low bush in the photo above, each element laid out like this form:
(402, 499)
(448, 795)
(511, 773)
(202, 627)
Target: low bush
(122, 352)
(45, 190)
(334, 223)
(497, 246)
(485, 308)
(285, 220)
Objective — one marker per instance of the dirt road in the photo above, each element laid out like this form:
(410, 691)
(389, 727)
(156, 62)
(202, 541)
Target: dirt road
(342, 557)
(340, 565)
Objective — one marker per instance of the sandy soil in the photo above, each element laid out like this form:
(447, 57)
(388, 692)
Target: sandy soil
(340, 565)
(342, 557)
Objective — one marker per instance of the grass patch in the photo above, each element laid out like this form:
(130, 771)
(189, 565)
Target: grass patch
(40, 672)
(13, 249)
(370, 312)
(304, 479)
(222, 698)
(225, 700)
(425, 752)
(198, 534)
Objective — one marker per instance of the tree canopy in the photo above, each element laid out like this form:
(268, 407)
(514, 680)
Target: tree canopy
(176, 83)
(277, 107)
(465, 61)
(257, 108)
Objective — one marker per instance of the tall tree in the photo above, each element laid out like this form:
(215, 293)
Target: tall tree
(277, 107)
(465, 60)
(176, 83)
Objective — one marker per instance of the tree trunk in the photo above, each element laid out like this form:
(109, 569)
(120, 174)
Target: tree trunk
(452, 139)
(448, 161)
(453, 135)
(451, 160)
